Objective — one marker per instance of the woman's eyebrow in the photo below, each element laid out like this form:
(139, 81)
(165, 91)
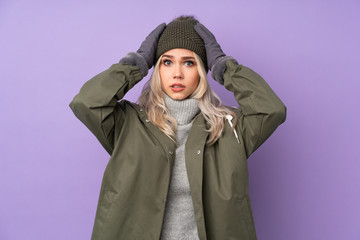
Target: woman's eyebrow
(185, 57)
(188, 57)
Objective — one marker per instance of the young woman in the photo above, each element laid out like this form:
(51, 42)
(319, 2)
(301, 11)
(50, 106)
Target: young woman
(178, 166)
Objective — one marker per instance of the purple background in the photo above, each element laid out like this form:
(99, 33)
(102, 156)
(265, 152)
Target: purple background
(304, 181)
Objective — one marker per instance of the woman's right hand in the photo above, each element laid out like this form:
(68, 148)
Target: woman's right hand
(144, 57)
(149, 45)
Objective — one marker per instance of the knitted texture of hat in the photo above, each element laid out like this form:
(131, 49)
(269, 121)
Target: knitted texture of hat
(180, 33)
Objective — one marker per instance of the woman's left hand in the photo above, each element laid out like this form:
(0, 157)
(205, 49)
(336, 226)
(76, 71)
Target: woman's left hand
(213, 50)
(215, 56)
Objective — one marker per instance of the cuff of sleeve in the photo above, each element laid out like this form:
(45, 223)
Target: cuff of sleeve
(136, 59)
(217, 71)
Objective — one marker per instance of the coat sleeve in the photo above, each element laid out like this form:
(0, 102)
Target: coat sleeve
(96, 105)
(261, 109)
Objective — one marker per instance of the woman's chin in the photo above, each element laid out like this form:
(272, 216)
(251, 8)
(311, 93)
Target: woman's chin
(177, 96)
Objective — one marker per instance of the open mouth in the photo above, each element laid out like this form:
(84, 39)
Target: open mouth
(177, 87)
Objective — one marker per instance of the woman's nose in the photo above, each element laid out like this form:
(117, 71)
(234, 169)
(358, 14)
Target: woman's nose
(178, 72)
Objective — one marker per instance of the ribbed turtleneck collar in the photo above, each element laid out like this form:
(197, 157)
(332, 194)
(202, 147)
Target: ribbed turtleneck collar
(183, 111)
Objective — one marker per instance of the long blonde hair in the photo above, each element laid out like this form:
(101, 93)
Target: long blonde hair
(152, 101)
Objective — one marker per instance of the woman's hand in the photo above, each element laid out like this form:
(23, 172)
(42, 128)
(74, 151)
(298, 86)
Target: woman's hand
(145, 56)
(149, 45)
(213, 50)
(215, 56)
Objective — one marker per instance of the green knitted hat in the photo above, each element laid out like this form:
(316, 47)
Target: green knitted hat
(180, 33)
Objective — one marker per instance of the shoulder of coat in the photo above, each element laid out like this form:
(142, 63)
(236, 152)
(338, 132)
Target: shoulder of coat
(236, 110)
(129, 106)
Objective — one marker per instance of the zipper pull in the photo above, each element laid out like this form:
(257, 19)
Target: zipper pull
(229, 118)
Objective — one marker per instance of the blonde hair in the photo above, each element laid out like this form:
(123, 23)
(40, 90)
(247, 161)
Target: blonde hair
(152, 101)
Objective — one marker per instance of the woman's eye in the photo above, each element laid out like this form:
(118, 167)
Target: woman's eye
(189, 63)
(167, 62)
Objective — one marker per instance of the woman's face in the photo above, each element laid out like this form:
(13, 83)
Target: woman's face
(178, 73)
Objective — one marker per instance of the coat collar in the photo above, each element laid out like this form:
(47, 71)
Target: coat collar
(168, 145)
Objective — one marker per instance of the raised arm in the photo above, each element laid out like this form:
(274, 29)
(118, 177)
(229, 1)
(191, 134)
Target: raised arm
(96, 105)
(261, 109)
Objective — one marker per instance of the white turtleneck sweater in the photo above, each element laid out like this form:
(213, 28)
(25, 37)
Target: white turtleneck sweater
(179, 219)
